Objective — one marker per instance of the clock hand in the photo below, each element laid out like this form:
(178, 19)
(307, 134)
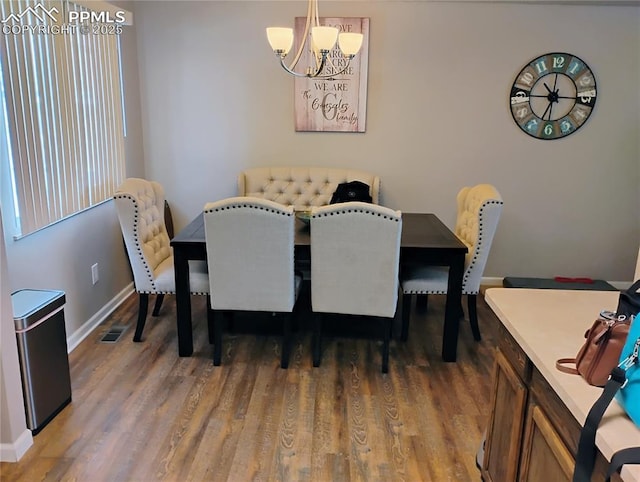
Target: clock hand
(555, 82)
(548, 109)
(547, 87)
(547, 96)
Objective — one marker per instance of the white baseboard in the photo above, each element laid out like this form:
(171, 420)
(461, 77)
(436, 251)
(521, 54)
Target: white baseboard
(14, 452)
(491, 282)
(81, 333)
(621, 285)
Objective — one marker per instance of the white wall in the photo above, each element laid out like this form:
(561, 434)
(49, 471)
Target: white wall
(215, 101)
(60, 257)
(15, 439)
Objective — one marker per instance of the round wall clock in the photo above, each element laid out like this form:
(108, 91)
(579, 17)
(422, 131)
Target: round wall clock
(553, 96)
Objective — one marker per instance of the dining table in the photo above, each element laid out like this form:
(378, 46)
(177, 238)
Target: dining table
(425, 240)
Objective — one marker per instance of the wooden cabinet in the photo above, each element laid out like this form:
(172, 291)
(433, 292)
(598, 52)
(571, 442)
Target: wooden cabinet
(544, 455)
(504, 435)
(531, 435)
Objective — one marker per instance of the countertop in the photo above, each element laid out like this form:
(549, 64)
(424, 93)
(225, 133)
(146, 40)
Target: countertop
(550, 324)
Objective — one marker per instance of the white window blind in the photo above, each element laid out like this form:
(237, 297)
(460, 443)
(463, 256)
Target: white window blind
(63, 113)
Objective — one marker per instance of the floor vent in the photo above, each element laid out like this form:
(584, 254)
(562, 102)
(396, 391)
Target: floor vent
(113, 335)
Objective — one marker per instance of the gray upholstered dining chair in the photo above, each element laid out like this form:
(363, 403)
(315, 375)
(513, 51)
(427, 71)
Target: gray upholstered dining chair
(479, 209)
(355, 251)
(140, 205)
(250, 247)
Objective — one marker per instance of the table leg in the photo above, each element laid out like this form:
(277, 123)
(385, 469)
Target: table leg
(452, 309)
(183, 303)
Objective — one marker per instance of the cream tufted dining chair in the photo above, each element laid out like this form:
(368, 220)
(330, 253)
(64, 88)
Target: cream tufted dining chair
(250, 246)
(140, 206)
(355, 250)
(479, 209)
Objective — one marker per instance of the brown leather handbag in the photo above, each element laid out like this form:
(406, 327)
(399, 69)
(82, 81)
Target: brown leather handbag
(600, 352)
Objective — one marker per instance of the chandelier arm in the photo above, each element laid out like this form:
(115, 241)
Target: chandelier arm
(317, 75)
(321, 57)
(332, 76)
(321, 65)
(330, 62)
(305, 36)
(298, 74)
(291, 71)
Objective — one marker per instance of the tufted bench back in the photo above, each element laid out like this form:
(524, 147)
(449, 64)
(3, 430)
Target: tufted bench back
(140, 207)
(479, 209)
(301, 187)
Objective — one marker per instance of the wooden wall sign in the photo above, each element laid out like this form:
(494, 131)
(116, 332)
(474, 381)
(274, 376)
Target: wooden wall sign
(333, 105)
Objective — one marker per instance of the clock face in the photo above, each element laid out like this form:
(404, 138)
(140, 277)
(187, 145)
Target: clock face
(553, 96)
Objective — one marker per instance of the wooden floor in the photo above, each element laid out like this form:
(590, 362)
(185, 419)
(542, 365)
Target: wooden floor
(141, 413)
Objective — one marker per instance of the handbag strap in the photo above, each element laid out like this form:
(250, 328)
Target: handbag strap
(623, 457)
(560, 365)
(586, 457)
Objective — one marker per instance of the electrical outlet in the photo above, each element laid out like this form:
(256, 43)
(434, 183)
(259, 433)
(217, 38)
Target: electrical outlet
(94, 273)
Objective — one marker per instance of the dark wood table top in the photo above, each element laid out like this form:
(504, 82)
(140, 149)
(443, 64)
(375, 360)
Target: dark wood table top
(419, 230)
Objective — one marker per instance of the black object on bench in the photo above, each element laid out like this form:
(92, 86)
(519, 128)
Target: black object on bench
(553, 284)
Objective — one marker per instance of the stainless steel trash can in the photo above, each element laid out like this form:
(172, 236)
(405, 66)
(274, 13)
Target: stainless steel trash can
(38, 316)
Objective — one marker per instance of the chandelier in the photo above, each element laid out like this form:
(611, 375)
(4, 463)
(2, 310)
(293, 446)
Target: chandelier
(323, 40)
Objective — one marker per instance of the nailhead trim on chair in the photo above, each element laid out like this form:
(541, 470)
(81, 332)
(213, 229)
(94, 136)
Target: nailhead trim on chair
(158, 292)
(352, 210)
(473, 261)
(422, 292)
(252, 205)
(137, 240)
(248, 205)
(478, 246)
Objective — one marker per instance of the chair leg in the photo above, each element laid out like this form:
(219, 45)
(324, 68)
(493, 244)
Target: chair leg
(217, 341)
(422, 303)
(210, 321)
(473, 316)
(286, 340)
(142, 316)
(158, 305)
(386, 327)
(317, 335)
(406, 315)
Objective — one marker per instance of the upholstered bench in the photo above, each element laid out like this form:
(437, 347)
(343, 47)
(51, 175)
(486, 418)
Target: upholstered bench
(302, 187)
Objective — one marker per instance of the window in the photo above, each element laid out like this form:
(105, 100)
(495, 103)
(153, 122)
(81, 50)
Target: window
(63, 123)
